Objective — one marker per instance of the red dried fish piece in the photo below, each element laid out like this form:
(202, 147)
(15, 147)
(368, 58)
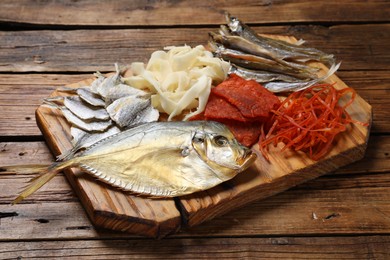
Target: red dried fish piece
(219, 108)
(247, 134)
(251, 99)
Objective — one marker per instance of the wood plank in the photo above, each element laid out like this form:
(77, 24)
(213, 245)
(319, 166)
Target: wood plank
(156, 13)
(331, 206)
(360, 47)
(20, 95)
(351, 247)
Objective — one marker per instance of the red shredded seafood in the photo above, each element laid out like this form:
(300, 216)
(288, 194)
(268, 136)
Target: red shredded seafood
(309, 121)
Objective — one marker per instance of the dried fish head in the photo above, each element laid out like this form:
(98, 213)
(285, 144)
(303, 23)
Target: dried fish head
(216, 145)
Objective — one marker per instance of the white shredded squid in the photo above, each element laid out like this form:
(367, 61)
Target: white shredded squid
(179, 78)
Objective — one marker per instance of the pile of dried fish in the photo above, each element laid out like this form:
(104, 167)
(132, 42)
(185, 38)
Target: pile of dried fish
(276, 64)
(104, 108)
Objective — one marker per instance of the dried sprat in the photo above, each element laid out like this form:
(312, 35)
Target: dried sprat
(280, 64)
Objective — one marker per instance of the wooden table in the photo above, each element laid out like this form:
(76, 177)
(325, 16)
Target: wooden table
(47, 44)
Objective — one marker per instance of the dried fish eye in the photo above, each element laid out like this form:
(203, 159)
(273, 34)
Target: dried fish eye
(221, 140)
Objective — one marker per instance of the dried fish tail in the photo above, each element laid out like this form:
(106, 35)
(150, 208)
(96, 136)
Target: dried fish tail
(46, 173)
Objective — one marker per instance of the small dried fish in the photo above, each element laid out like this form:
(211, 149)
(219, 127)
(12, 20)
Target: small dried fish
(281, 49)
(297, 86)
(261, 76)
(163, 159)
(251, 61)
(130, 111)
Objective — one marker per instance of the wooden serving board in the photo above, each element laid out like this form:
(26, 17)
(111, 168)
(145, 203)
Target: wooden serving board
(113, 209)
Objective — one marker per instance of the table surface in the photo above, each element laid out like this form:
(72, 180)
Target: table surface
(47, 44)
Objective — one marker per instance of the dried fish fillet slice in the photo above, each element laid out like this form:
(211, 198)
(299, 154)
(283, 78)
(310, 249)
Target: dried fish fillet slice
(98, 126)
(148, 115)
(122, 90)
(107, 83)
(83, 110)
(97, 82)
(127, 111)
(91, 98)
(86, 94)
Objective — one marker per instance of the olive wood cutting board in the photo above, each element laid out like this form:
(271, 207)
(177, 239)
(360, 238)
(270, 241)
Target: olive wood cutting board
(114, 209)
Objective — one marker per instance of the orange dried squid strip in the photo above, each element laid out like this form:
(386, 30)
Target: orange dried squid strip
(308, 121)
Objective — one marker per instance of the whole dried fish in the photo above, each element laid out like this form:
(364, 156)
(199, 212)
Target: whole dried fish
(281, 49)
(251, 61)
(163, 159)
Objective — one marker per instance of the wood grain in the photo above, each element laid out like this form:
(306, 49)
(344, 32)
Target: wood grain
(350, 247)
(363, 47)
(326, 206)
(159, 13)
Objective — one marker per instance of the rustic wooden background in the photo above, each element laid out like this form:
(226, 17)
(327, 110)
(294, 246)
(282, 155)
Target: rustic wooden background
(46, 44)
